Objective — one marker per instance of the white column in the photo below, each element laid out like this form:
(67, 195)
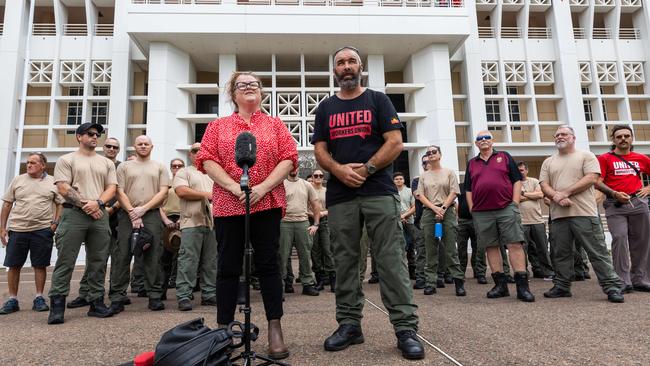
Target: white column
(122, 77)
(430, 66)
(12, 59)
(567, 73)
(227, 65)
(168, 67)
(375, 68)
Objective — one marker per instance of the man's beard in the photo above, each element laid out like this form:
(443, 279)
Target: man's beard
(293, 175)
(348, 84)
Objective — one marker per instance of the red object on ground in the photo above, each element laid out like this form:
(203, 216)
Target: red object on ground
(144, 359)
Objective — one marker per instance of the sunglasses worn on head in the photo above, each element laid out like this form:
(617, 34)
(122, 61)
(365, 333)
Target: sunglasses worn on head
(483, 137)
(111, 147)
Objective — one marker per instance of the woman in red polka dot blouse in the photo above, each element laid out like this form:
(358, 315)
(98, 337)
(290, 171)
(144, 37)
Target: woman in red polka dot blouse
(277, 155)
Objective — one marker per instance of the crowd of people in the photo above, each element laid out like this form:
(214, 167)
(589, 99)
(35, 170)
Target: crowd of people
(186, 230)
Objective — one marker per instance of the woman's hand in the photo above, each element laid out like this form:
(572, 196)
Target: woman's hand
(256, 195)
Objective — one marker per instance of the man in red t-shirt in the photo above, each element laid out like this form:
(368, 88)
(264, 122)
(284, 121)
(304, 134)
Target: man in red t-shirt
(626, 208)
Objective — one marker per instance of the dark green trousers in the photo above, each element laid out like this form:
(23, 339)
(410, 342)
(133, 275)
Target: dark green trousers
(381, 215)
(537, 249)
(322, 261)
(450, 233)
(76, 227)
(587, 232)
(295, 233)
(83, 284)
(121, 268)
(198, 249)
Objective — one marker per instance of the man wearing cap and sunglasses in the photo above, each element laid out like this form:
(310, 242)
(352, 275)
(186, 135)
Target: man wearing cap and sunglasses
(85, 180)
(493, 189)
(111, 148)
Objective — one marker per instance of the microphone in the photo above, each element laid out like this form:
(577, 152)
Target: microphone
(245, 155)
(245, 150)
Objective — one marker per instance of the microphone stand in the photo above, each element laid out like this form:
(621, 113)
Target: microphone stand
(248, 357)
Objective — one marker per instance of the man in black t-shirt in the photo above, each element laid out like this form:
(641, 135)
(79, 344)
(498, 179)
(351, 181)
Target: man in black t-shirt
(356, 138)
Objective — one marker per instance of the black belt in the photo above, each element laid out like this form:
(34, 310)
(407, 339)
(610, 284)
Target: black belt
(70, 205)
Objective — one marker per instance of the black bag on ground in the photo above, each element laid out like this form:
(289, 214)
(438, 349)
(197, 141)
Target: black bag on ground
(193, 343)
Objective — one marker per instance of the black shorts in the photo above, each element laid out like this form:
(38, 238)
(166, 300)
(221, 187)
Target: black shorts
(38, 243)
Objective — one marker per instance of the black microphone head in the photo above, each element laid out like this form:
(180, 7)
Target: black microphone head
(245, 149)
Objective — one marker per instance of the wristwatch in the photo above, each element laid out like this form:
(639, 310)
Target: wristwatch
(54, 222)
(371, 168)
(101, 204)
(444, 207)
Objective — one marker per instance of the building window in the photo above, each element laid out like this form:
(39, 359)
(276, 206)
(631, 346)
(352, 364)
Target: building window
(492, 111)
(585, 90)
(490, 90)
(604, 111)
(101, 90)
(586, 104)
(75, 109)
(513, 106)
(99, 112)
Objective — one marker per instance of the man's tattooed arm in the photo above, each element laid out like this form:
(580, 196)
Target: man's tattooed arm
(70, 194)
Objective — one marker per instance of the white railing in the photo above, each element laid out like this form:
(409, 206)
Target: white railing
(539, 33)
(629, 33)
(104, 30)
(486, 2)
(579, 33)
(635, 3)
(400, 3)
(510, 32)
(44, 29)
(485, 32)
(75, 30)
(601, 33)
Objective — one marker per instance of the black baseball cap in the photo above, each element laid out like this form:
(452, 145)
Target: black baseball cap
(87, 126)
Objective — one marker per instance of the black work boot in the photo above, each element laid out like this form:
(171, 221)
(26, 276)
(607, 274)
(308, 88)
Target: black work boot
(460, 287)
(320, 283)
(344, 336)
(309, 290)
(523, 291)
(410, 345)
(57, 310)
(500, 288)
(78, 303)
(332, 279)
(99, 310)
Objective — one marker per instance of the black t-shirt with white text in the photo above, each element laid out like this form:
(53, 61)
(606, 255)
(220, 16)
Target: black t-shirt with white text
(353, 131)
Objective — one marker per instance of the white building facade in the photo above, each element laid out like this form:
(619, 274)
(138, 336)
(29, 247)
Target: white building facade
(519, 68)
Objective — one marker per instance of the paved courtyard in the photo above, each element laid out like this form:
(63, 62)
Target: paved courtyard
(582, 330)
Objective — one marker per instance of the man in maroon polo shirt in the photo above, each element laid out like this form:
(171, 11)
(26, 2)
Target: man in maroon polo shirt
(493, 186)
(626, 208)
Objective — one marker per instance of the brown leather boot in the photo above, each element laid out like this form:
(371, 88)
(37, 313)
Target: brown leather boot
(277, 349)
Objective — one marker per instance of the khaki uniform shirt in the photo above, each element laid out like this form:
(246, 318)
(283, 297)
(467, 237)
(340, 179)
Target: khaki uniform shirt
(437, 185)
(321, 196)
(34, 200)
(299, 194)
(531, 210)
(172, 204)
(194, 213)
(406, 200)
(561, 172)
(88, 175)
(142, 180)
